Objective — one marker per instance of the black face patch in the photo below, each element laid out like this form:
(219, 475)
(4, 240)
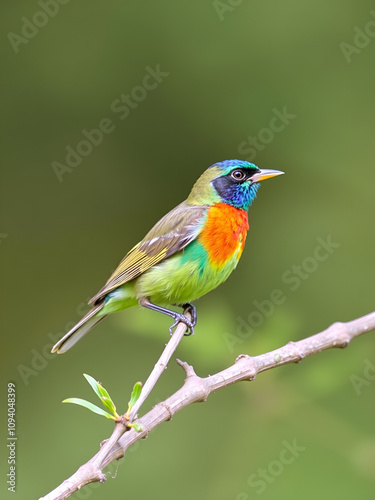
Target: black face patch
(222, 185)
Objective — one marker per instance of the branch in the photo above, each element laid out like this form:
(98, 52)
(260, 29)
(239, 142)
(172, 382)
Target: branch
(198, 389)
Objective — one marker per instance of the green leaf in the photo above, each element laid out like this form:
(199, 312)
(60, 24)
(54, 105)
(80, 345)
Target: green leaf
(108, 403)
(90, 406)
(94, 384)
(102, 394)
(135, 394)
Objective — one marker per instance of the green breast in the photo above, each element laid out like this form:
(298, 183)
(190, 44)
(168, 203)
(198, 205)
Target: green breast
(183, 277)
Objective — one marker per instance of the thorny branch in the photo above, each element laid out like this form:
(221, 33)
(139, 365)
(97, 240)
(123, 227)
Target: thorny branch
(198, 389)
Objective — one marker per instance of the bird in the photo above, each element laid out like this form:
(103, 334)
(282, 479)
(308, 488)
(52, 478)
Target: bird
(189, 252)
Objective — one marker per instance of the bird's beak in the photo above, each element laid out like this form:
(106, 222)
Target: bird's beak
(265, 174)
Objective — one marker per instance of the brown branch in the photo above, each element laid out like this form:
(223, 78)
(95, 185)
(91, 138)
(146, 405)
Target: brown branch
(198, 389)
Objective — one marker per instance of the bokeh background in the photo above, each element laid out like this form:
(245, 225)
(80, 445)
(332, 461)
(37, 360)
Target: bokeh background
(227, 69)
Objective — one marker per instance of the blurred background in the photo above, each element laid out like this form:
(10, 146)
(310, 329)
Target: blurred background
(174, 87)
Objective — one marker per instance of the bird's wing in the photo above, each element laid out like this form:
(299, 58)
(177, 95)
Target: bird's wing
(172, 233)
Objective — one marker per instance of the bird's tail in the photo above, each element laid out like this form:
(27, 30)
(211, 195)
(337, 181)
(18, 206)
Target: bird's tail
(79, 330)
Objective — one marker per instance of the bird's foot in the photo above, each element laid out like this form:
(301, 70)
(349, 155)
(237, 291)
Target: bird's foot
(181, 318)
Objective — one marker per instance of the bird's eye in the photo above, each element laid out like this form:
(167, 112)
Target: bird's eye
(238, 175)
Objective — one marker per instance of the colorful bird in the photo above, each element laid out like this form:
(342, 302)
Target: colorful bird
(189, 252)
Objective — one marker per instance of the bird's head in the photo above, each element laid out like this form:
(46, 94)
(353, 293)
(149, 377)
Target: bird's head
(234, 182)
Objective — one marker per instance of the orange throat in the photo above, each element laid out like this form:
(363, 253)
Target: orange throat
(224, 233)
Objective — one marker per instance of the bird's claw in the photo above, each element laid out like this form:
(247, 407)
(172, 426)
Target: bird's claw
(181, 318)
(189, 308)
(192, 310)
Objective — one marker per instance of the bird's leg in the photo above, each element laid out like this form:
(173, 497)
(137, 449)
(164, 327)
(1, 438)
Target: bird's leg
(178, 317)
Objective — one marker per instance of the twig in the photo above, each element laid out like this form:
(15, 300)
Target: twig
(198, 389)
(160, 366)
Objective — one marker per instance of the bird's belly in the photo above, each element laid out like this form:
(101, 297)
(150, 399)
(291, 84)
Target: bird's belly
(184, 277)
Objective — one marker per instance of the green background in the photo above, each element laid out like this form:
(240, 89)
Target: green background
(228, 69)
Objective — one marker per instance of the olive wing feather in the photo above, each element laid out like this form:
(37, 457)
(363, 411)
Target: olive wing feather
(171, 234)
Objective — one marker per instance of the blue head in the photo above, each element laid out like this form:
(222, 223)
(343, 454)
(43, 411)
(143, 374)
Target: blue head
(238, 182)
(234, 182)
